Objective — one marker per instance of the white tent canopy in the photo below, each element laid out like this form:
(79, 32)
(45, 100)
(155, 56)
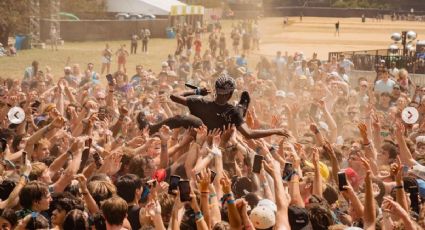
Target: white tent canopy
(155, 7)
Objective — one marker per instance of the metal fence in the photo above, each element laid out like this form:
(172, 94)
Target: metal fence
(368, 59)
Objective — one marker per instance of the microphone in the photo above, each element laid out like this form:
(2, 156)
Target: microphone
(190, 86)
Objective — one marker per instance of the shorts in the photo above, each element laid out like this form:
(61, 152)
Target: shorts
(106, 60)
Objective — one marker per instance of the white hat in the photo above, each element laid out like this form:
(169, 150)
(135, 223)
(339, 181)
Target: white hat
(420, 139)
(268, 203)
(280, 93)
(262, 217)
(164, 64)
(67, 68)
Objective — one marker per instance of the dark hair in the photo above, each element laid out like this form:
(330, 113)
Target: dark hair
(391, 149)
(320, 217)
(127, 185)
(115, 210)
(75, 220)
(9, 215)
(37, 222)
(137, 165)
(32, 192)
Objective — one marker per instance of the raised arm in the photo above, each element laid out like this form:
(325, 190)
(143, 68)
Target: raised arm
(256, 133)
(281, 196)
(181, 99)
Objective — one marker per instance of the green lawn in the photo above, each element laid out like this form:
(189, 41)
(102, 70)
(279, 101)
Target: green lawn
(83, 53)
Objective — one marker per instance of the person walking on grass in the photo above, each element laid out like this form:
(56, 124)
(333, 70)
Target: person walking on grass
(122, 55)
(106, 60)
(337, 28)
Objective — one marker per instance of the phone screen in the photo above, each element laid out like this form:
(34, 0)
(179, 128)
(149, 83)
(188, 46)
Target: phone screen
(213, 174)
(258, 163)
(174, 184)
(288, 170)
(184, 188)
(84, 158)
(97, 160)
(342, 181)
(24, 158)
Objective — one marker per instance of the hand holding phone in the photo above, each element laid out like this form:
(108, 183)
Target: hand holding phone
(184, 188)
(174, 184)
(258, 163)
(342, 181)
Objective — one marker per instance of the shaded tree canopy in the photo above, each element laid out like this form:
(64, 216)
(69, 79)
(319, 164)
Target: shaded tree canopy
(83, 6)
(14, 18)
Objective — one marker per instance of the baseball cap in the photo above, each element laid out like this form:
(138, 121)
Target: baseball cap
(224, 84)
(324, 171)
(280, 93)
(268, 203)
(298, 218)
(352, 176)
(420, 139)
(262, 217)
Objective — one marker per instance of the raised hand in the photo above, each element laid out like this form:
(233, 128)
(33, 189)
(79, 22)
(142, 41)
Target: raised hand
(165, 133)
(201, 134)
(226, 184)
(204, 179)
(315, 157)
(399, 129)
(363, 130)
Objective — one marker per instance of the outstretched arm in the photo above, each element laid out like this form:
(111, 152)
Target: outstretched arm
(256, 133)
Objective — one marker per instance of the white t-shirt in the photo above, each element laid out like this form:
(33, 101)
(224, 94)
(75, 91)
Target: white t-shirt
(382, 86)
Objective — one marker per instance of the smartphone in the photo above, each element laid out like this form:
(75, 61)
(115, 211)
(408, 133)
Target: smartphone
(258, 163)
(3, 144)
(88, 143)
(184, 188)
(342, 181)
(174, 184)
(97, 160)
(145, 193)
(213, 174)
(23, 158)
(101, 113)
(190, 86)
(84, 158)
(152, 183)
(288, 170)
(110, 79)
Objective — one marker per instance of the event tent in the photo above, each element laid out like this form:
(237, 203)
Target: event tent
(155, 7)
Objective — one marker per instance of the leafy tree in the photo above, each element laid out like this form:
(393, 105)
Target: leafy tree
(12, 19)
(83, 6)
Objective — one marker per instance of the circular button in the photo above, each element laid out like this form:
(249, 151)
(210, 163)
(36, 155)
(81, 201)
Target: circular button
(16, 115)
(410, 115)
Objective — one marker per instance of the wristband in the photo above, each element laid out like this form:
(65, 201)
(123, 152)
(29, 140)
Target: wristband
(398, 187)
(230, 201)
(26, 177)
(198, 216)
(197, 91)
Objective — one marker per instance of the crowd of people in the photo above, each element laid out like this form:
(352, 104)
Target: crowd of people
(208, 143)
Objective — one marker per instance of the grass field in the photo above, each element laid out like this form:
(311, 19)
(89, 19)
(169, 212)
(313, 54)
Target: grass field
(310, 35)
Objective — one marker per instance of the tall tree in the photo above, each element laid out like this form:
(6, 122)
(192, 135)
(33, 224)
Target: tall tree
(14, 18)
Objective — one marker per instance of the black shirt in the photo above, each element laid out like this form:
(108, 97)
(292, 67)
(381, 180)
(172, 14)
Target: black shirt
(214, 115)
(133, 216)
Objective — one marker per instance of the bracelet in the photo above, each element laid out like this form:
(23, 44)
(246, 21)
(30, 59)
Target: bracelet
(70, 155)
(26, 177)
(316, 131)
(111, 91)
(398, 187)
(84, 193)
(197, 91)
(207, 192)
(198, 216)
(164, 146)
(230, 201)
